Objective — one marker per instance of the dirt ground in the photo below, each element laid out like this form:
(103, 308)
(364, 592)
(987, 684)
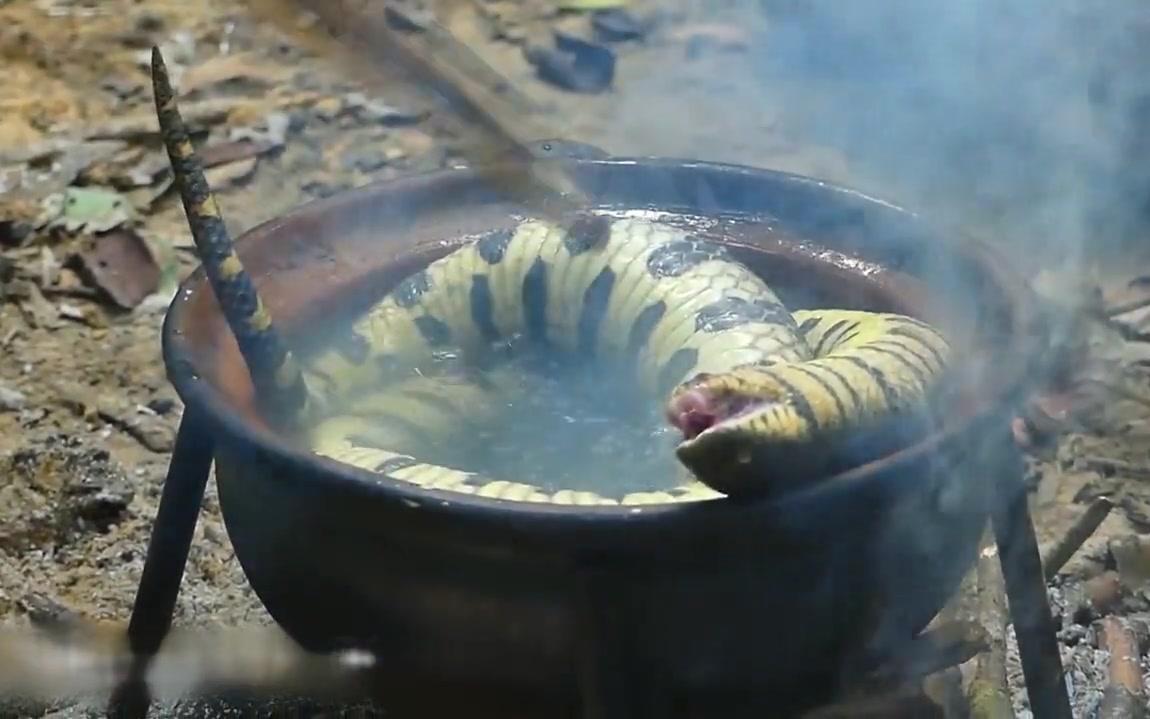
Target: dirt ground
(87, 417)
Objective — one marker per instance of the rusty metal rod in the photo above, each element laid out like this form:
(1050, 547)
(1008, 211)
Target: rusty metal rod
(167, 557)
(1026, 591)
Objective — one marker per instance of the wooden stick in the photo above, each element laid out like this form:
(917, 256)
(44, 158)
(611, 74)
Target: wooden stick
(1128, 307)
(902, 703)
(1124, 696)
(945, 689)
(941, 646)
(988, 693)
(1106, 464)
(1082, 529)
(1120, 391)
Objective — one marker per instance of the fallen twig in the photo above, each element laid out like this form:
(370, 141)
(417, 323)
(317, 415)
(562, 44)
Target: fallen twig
(1117, 466)
(201, 113)
(1130, 334)
(914, 682)
(988, 693)
(944, 645)
(1128, 307)
(1121, 392)
(1106, 316)
(901, 703)
(945, 689)
(1124, 696)
(1082, 529)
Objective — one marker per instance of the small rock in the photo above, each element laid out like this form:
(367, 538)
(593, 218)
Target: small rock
(1084, 615)
(13, 232)
(368, 110)
(97, 505)
(146, 428)
(414, 18)
(327, 108)
(149, 22)
(11, 400)
(573, 64)
(320, 189)
(122, 87)
(161, 405)
(44, 610)
(1132, 555)
(86, 315)
(1104, 591)
(153, 434)
(7, 270)
(370, 159)
(58, 489)
(698, 38)
(272, 132)
(1072, 634)
(617, 25)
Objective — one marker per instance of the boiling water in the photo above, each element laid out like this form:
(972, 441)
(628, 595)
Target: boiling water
(582, 425)
(557, 422)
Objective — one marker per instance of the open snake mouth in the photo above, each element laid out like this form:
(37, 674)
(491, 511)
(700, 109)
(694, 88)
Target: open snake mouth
(698, 410)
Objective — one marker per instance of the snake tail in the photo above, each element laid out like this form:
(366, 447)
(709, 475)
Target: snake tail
(279, 384)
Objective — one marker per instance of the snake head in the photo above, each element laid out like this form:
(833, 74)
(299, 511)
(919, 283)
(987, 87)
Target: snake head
(741, 433)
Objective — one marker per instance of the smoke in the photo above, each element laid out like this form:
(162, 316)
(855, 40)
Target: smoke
(1022, 117)
(1023, 121)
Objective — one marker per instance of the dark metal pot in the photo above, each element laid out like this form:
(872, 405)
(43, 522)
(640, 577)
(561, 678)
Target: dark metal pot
(687, 604)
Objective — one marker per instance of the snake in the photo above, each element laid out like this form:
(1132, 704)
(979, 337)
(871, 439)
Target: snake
(762, 395)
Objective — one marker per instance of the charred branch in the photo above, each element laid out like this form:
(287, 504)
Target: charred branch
(1082, 529)
(1124, 696)
(902, 703)
(988, 693)
(944, 645)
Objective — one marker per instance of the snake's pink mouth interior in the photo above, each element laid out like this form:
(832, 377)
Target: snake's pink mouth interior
(697, 410)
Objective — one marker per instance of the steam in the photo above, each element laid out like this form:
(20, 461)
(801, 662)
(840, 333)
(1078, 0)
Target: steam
(1017, 119)
(1017, 116)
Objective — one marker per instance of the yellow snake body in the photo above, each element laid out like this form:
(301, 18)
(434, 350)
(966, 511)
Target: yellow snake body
(698, 327)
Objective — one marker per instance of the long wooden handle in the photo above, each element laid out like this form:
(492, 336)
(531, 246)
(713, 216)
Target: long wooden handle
(365, 44)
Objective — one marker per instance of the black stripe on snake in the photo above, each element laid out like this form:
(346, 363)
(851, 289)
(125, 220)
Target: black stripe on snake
(757, 391)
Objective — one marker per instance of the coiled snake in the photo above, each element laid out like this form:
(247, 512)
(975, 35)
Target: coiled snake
(757, 391)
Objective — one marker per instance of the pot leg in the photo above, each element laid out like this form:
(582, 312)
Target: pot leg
(1026, 593)
(164, 564)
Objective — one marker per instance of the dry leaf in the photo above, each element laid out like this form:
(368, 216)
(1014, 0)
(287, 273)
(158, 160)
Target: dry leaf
(232, 173)
(122, 264)
(227, 68)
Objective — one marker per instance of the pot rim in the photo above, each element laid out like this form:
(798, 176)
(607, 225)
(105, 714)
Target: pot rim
(210, 403)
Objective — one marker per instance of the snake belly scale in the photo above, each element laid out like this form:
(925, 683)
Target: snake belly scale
(756, 389)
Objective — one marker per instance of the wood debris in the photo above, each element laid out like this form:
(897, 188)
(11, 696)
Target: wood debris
(988, 692)
(1125, 695)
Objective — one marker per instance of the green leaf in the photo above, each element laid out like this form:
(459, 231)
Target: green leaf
(87, 209)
